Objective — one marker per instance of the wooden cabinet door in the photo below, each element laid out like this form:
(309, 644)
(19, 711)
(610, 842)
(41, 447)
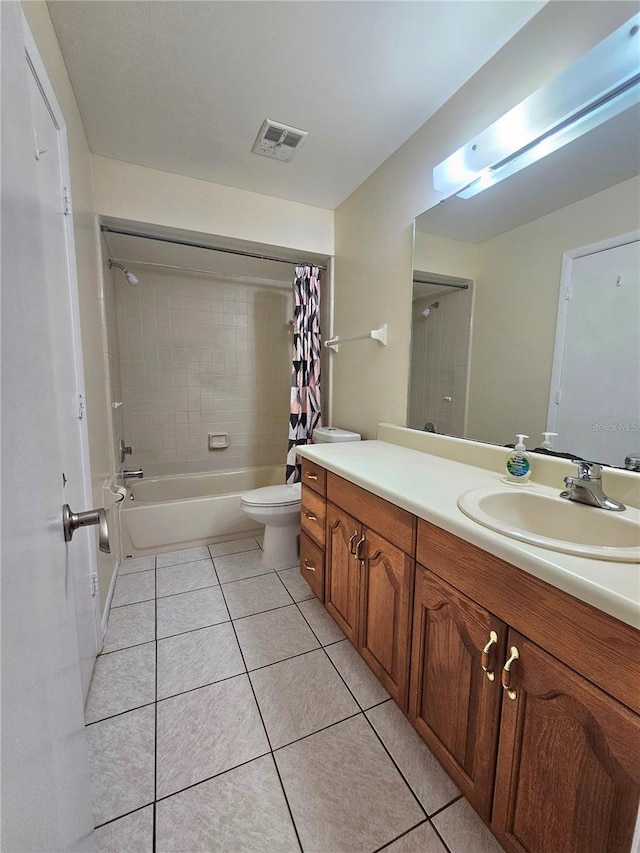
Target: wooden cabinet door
(342, 570)
(385, 613)
(568, 778)
(453, 704)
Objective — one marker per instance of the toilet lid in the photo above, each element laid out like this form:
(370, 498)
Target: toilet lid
(274, 495)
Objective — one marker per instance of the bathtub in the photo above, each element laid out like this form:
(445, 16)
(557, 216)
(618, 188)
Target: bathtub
(187, 510)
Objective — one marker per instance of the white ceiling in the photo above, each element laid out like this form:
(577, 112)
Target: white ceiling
(185, 86)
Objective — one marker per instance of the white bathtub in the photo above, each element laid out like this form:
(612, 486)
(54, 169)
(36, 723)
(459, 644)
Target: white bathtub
(186, 510)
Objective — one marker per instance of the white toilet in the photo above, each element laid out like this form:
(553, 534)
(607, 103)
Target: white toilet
(278, 508)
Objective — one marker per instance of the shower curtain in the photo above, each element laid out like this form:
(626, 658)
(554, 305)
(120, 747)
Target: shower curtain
(305, 414)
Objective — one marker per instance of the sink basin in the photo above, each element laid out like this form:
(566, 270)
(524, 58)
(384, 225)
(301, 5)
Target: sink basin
(549, 521)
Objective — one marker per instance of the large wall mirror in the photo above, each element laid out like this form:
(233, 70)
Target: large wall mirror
(495, 351)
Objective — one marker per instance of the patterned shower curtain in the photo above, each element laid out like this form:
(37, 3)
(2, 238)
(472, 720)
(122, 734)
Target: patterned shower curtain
(305, 413)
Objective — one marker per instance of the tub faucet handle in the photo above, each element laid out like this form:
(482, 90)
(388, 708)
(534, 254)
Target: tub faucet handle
(124, 450)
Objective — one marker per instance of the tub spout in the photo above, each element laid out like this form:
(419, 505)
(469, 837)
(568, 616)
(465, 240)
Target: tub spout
(127, 475)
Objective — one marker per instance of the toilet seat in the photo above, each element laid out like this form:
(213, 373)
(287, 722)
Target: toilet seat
(285, 495)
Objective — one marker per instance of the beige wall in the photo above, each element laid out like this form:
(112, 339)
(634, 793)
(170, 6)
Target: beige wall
(374, 226)
(516, 303)
(88, 265)
(130, 192)
(203, 354)
(456, 258)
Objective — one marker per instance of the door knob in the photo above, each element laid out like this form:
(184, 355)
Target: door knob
(72, 520)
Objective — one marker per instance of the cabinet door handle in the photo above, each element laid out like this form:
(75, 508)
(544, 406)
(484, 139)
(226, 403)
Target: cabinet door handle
(352, 550)
(311, 476)
(485, 661)
(308, 565)
(359, 544)
(311, 516)
(514, 655)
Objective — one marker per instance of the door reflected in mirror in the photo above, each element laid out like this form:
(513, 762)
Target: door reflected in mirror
(490, 347)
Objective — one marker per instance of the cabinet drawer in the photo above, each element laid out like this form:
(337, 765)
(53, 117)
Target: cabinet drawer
(314, 476)
(394, 523)
(312, 515)
(312, 565)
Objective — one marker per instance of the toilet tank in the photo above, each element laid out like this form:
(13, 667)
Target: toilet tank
(331, 435)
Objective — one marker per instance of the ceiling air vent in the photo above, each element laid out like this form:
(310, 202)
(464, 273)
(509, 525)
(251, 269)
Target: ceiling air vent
(278, 141)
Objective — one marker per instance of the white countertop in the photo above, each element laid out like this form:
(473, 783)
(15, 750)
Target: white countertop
(429, 486)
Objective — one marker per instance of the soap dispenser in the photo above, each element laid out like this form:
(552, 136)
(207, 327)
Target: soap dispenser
(548, 443)
(517, 463)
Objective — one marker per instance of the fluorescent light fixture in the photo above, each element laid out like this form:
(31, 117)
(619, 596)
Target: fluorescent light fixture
(602, 83)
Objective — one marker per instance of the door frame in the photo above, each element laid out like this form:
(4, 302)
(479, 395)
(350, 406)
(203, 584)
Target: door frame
(568, 258)
(38, 69)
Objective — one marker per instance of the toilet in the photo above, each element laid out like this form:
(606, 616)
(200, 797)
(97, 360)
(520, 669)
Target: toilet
(278, 508)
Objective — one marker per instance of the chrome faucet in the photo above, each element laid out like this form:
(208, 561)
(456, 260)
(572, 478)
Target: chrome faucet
(126, 475)
(587, 487)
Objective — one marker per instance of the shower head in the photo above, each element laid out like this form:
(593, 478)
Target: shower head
(131, 277)
(427, 311)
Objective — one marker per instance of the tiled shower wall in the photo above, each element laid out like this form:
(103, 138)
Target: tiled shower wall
(440, 362)
(201, 354)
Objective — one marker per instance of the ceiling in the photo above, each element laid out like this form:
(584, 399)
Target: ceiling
(185, 86)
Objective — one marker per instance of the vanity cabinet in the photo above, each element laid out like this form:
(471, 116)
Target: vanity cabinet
(369, 579)
(549, 758)
(529, 697)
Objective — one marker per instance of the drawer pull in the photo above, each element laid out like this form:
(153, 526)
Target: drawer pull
(514, 654)
(485, 661)
(311, 516)
(308, 565)
(351, 541)
(359, 545)
(311, 476)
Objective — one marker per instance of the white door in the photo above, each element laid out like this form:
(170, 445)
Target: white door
(46, 799)
(598, 393)
(59, 291)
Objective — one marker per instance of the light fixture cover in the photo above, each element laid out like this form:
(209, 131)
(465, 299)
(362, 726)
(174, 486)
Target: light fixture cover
(278, 141)
(602, 83)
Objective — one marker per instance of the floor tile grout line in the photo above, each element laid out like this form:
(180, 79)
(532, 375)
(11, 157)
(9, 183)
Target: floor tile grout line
(155, 732)
(402, 835)
(286, 799)
(355, 699)
(233, 553)
(273, 758)
(317, 731)
(191, 630)
(395, 764)
(315, 634)
(284, 660)
(210, 778)
(182, 591)
(440, 837)
(444, 808)
(120, 713)
(125, 814)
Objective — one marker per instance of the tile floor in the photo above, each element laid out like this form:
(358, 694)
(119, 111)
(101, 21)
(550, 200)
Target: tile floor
(229, 713)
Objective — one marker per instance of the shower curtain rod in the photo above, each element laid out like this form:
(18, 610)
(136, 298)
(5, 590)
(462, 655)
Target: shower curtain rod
(194, 245)
(247, 279)
(440, 284)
